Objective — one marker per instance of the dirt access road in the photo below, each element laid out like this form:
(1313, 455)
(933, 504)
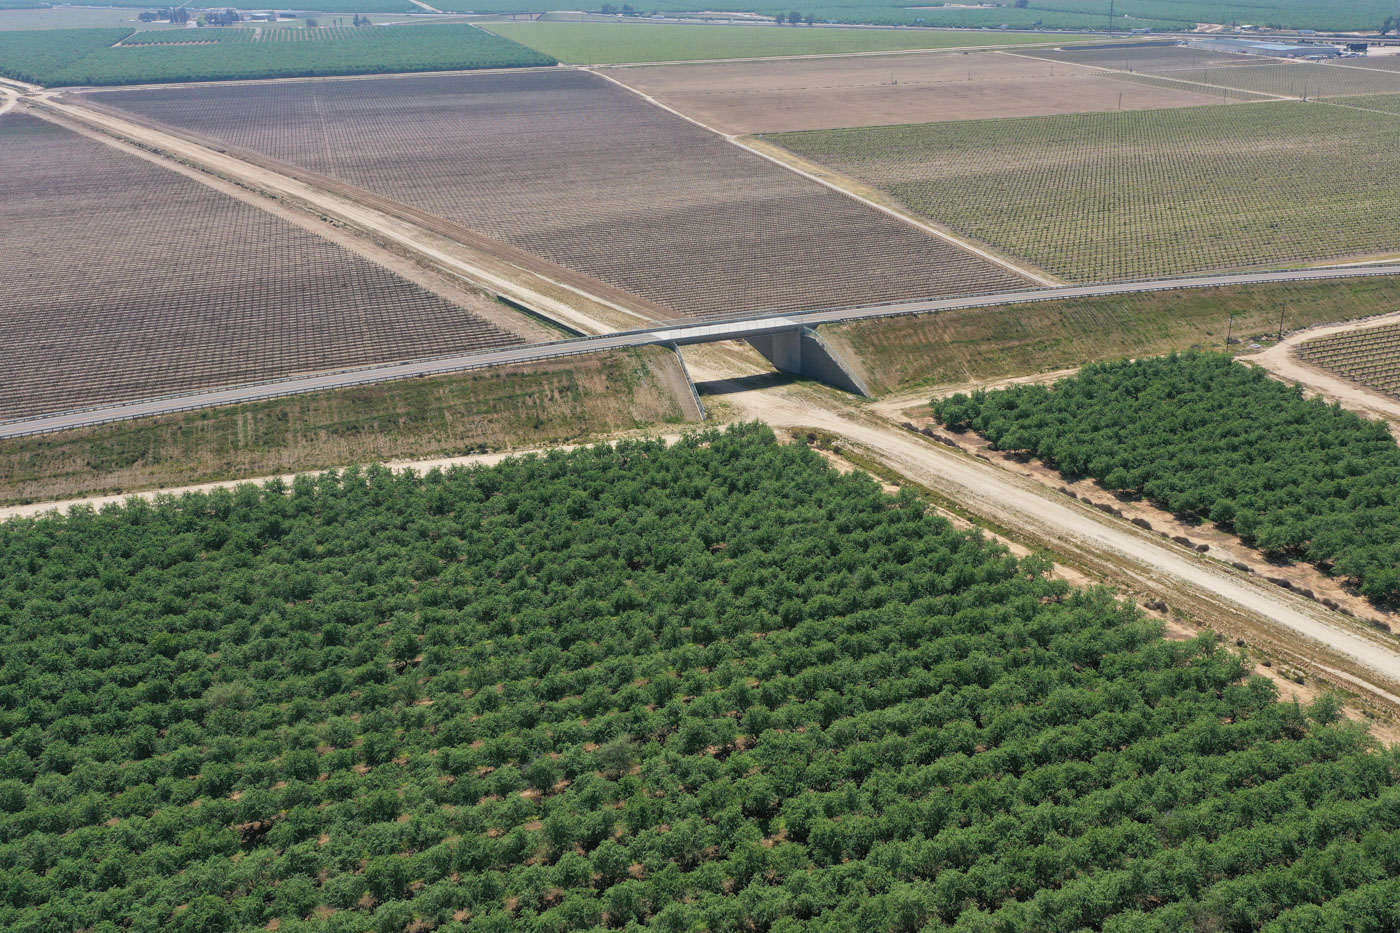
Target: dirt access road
(1308, 635)
(1282, 360)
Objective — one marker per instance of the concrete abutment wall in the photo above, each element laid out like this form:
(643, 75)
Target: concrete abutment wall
(803, 352)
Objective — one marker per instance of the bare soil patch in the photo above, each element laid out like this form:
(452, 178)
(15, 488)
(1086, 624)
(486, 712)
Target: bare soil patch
(781, 96)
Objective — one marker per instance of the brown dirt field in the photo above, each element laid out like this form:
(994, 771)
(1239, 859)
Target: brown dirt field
(580, 172)
(780, 96)
(167, 285)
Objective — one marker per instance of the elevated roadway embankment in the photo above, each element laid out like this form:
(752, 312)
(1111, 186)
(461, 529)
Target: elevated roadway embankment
(678, 333)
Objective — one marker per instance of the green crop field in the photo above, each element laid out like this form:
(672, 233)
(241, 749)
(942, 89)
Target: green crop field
(1056, 14)
(93, 57)
(876, 12)
(1297, 14)
(347, 7)
(716, 686)
(1176, 15)
(1207, 438)
(608, 43)
(72, 18)
(1369, 356)
(1385, 103)
(1129, 195)
(33, 55)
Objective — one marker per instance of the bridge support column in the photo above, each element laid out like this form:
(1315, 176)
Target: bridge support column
(803, 352)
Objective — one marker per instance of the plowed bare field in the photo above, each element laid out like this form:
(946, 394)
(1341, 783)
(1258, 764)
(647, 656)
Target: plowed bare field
(121, 280)
(778, 96)
(575, 169)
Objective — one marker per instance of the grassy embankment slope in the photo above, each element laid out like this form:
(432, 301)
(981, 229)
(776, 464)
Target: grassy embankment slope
(1016, 340)
(544, 402)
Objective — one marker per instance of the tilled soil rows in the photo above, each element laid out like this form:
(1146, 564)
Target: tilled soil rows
(574, 169)
(122, 280)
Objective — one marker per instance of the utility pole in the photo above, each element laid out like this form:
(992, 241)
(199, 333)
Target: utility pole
(1282, 308)
(1230, 331)
(1110, 19)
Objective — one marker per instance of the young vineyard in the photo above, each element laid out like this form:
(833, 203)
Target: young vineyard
(1210, 439)
(573, 168)
(1368, 356)
(1260, 77)
(713, 686)
(223, 54)
(167, 285)
(1141, 194)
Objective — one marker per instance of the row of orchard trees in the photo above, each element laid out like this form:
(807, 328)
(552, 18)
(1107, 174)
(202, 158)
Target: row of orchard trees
(91, 56)
(1210, 439)
(712, 686)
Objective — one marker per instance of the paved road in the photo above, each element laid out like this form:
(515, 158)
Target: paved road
(679, 332)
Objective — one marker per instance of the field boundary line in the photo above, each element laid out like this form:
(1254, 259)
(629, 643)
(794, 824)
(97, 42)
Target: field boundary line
(1035, 276)
(811, 55)
(297, 79)
(1269, 98)
(1336, 102)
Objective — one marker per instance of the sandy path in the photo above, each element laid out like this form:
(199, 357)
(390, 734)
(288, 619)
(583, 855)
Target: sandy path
(1111, 548)
(1282, 361)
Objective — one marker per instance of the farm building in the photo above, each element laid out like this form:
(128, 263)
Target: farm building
(1271, 49)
